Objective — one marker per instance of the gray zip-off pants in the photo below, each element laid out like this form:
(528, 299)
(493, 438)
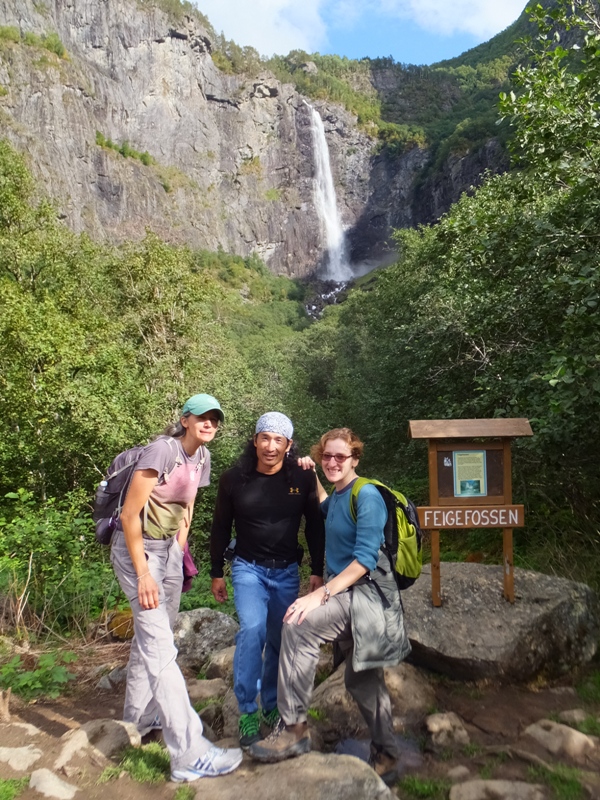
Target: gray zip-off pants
(155, 684)
(298, 659)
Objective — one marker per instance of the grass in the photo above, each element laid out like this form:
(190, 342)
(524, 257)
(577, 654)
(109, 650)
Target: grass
(172, 178)
(564, 781)
(316, 714)
(11, 788)
(147, 764)
(472, 749)
(411, 786)
(589, 689)
(488, 771)
(210, 701)
(200, 595)
(184, 793)
(589, 726)
(251, 166)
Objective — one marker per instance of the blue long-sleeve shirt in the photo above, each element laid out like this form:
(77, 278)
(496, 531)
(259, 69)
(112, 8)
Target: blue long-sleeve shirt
(346, 540)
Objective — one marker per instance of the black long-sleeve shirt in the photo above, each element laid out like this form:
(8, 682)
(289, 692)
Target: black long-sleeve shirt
(266, 511)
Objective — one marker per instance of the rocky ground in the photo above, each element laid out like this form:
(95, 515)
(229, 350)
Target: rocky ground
(468, 732)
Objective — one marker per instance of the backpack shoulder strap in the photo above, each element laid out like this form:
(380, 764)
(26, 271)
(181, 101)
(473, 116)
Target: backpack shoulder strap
(356, 487)
(176, 459)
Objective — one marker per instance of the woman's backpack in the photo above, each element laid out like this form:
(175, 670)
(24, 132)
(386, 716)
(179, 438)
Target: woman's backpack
(402, 532)
(112, 490)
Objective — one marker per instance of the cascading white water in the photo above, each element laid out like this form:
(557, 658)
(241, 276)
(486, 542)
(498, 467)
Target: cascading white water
(337, 268)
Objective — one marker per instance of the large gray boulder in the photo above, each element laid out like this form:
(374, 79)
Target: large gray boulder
(497, 790)
(338, 715)
(553, 625)
(316, 776)
(201, 632)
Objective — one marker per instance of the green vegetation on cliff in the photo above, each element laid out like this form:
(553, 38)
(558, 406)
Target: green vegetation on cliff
(48, 41)
(449, 106)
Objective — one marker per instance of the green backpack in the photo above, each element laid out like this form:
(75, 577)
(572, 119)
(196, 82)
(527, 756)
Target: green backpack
(402, 532)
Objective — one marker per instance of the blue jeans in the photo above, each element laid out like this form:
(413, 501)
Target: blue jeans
(262, 596)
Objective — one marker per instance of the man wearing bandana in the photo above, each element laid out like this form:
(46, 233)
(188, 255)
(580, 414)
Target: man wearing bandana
(264, 496)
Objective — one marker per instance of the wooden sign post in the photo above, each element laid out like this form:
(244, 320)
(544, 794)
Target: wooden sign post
(470, 484)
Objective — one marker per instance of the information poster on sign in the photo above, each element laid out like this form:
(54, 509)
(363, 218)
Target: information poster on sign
(470, 478)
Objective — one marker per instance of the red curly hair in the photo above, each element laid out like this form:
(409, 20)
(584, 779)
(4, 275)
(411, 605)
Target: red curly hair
(347, 435)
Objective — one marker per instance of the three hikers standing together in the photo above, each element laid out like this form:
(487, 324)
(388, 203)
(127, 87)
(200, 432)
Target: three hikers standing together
(264, 496)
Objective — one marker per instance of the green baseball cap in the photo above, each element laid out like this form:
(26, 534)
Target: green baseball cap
(201, 403)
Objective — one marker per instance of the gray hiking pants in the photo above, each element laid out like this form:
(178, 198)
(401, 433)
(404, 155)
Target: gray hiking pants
(155, 684)
(298, 659)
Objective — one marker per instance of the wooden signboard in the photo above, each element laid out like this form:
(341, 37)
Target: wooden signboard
(440, 517)
(470, 484)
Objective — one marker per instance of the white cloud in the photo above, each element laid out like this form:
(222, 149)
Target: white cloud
(271, 26)
(278, 26)
(481, 18)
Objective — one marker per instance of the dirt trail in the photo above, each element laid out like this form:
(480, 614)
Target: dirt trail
(495, 717)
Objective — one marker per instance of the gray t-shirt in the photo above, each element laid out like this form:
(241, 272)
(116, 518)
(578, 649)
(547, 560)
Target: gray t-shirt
(179, 477)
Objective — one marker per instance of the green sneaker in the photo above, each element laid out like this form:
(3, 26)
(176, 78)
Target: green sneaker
(249, 729)
(271, 718)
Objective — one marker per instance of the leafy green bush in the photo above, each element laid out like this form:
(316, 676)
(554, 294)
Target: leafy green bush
(48, 41)
(52, 42)
(9, 33)
(48, 678)
(51, 568)
(99, 348)
(124, 149)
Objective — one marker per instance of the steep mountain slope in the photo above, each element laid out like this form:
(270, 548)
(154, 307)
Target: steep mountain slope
(134, 126)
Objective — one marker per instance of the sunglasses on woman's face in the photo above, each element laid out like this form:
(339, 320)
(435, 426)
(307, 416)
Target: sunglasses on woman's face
(339, 458)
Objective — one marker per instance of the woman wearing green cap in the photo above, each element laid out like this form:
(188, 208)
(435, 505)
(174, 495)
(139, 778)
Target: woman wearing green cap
(147, 555)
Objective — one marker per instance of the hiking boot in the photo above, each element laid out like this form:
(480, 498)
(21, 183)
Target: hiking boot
(285, 741)
(155, 725)
(249, 729)
(271, 718)
(213, 763)
(385, 766)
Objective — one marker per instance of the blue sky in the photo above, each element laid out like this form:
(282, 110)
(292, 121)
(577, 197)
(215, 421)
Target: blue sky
(412, 31)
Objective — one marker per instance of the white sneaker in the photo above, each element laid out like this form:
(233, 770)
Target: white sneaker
(215, 762)
(155, 725)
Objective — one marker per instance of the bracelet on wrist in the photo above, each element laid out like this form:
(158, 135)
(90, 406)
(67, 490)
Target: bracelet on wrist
(143, 575)
(326, 595)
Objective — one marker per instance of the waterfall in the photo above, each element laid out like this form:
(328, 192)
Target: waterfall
(337, 268)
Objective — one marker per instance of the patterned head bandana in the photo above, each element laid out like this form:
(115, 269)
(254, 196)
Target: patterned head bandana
(274, 422)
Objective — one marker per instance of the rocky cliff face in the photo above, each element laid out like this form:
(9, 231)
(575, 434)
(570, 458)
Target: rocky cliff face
(232, 160)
